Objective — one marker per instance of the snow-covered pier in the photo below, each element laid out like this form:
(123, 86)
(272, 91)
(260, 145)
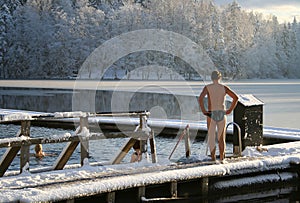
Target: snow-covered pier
(277, 167)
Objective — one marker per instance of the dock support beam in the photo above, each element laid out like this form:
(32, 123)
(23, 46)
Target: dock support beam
(124, 151)
(111, 197)
(173, 189)
(141, 193)
(7, 158)
(65, 155)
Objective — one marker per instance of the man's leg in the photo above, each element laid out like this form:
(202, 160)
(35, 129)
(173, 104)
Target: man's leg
(222, 137)
(212, 139)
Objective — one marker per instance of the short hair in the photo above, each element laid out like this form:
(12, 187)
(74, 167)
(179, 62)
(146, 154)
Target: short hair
(215, 75)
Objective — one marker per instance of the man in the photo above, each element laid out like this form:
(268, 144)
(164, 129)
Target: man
(216, 113)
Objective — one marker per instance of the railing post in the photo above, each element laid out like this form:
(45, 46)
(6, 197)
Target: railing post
(84, 141)
(187, 142)
(153, 148)
(25, 148)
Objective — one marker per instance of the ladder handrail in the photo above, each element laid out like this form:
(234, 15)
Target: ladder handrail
(239, 134)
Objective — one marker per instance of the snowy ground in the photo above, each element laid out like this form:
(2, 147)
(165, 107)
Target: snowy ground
(52, 186)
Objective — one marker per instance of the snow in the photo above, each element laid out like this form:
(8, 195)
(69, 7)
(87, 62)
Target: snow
(249, 100)
(144, 128)
(14, 139)
(96, 179)
(72, 114)
(16, 117)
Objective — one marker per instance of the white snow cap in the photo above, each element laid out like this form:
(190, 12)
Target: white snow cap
(16, 117)
(249, 100)
(73, 114)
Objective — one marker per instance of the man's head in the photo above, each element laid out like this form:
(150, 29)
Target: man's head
(216, 75)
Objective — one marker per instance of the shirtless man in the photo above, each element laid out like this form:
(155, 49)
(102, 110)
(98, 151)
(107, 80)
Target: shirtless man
(216, 113)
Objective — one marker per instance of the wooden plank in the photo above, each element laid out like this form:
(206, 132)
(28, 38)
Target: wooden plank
(124, 151)
(7, 158)
(65, 155)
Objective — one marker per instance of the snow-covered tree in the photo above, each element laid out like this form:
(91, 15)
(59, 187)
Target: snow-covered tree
(51, 39)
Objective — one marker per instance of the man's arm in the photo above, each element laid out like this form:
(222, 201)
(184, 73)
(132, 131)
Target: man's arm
(201, 100)
(234, 97)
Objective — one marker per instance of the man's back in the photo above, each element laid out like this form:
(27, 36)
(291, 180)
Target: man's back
(216, 96)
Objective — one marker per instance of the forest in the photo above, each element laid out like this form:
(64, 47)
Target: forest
(50, 39)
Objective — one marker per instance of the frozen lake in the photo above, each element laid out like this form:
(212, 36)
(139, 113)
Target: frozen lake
(281, 97)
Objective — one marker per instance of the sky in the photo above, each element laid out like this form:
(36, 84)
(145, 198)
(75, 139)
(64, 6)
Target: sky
(285, 10)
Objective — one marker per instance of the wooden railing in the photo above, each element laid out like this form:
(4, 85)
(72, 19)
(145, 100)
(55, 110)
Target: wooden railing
(23, 141)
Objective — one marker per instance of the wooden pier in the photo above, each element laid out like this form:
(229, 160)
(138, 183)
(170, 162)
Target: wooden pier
(193, 180)
(199, 181)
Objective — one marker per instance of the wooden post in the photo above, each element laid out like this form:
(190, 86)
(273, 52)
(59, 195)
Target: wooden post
(153, 148)
(204, 186)
(111, 197)
(25, 148)
(25, 128)
(141, 121)
(84, 142)
(187, 142)
(141, 193)
(174, 189)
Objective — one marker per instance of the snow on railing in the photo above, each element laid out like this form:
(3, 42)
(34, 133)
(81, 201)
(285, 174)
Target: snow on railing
(82, 135)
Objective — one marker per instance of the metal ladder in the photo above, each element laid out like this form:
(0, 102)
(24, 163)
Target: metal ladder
(239, 150)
